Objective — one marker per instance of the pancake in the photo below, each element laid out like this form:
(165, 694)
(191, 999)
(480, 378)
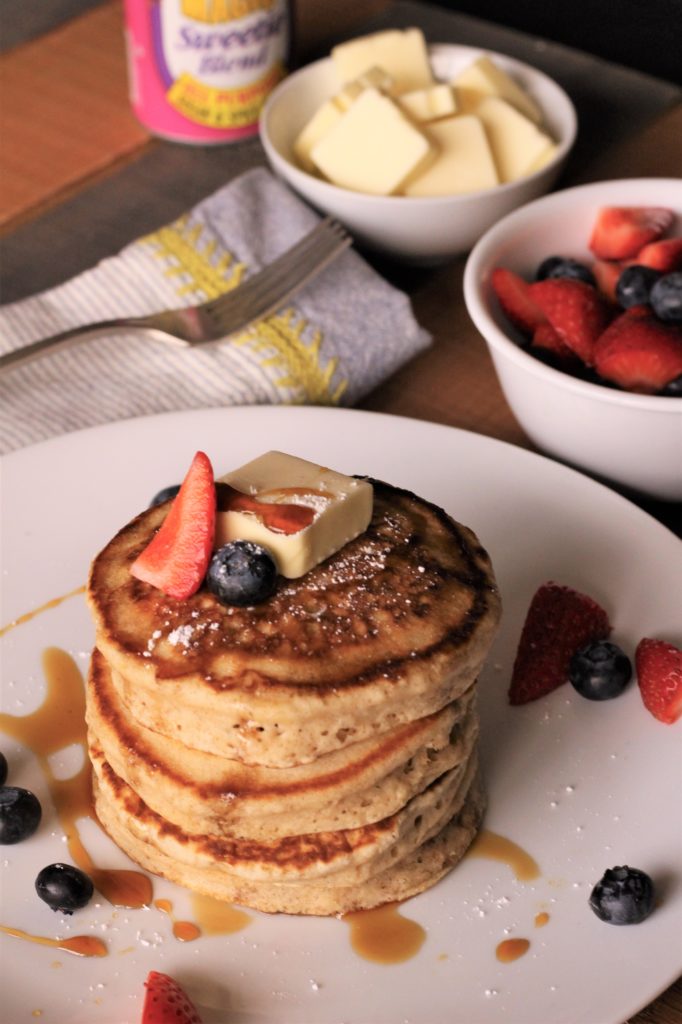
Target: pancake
(389, 630)
(357, 785)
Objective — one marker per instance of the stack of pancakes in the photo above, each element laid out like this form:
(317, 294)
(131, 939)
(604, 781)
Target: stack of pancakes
(313, 754)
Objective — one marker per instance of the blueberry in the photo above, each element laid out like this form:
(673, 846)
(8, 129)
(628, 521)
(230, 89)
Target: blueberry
(623, 896)
(241, 573)
(666, 298)
(564, 266)
(3, 769)
(635, 284)
(64, 887)
(20, 814)
(673, 387)
(164, 495)
(600, 671)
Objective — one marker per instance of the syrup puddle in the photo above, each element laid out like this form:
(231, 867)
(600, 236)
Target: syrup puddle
(541, 919)
(183, 931)
(217, 918)
(383, 935)
(496, 847)
(43, 608)
(511, 949)
(79, 945)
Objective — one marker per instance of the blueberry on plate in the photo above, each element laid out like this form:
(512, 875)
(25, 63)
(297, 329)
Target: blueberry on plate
(20, 814)
(3, 769)
(164, 495)
(623, 896)
(634, 285)
(242, 573)
(600, 670)
(64, 887)
(666, 298)
(564, 266)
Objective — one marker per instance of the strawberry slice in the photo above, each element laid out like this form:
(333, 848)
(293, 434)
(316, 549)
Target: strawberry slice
(560, 620)
(619, 232)
(576, 311)
(165, 1002)
(664, 255)
(659, 677)
(639, 352)
(546, 338)
(514, 298)
(176, 558)
(606, 273)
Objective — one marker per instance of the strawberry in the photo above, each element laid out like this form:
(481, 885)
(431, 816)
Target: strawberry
(606, 273)
(546, 338)
(560, 620)
(619, 232)
(639, 352)
(513, 296)
(659, 677)
(165, 1002)
(176, 558)
(664, 255)
(576, 311)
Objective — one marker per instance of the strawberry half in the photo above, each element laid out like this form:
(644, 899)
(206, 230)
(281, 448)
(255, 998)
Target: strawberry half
(514, 298)
(639, 352)
(659, 677)
(547, 339)
(176, 559)
(619, 232)
(576, 311)
(664, 255)
(165, 1002)
(606, 273)
(560, 620)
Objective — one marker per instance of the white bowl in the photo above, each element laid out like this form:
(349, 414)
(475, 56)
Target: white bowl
(415, 229)
(634, 440)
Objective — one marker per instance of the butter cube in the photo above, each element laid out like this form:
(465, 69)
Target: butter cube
(484, 78)
(340, 509)
(401, 53)
(515, 141)
(429, 104)
(464, 162)
(316, 128)
(373, 148)
(373, 78)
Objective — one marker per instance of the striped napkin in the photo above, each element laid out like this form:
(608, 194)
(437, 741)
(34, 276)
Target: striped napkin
(341, 336)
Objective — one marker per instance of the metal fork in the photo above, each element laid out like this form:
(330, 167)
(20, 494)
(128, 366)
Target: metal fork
(262, 294)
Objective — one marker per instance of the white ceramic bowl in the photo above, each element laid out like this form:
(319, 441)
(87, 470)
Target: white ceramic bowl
(634, 440)
(415, 229)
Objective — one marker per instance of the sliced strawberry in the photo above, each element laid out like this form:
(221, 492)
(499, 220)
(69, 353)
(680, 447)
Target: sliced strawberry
(619, 232)
(560, 620)
(576, 311)
(513, 296)
(546, 338)
(606, 273)
(639, 352)
(664, 255)
(176, 558)
(659, 677)
(165, 1002)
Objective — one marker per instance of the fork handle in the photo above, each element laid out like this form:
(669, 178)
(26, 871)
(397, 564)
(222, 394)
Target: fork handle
(63, 340)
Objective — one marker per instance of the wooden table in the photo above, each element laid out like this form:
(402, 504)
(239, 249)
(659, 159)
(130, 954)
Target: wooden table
(79, 178)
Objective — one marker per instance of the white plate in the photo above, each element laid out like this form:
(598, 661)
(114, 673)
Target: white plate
(581, 786)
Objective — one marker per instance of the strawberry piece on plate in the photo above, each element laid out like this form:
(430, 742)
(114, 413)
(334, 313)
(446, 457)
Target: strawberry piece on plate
(513, 296)
(639, 352)
(664, 255)
(576, 311)
(560, 620)
(619, 232)
(176, 559)
(165, 1002)
(659, 677)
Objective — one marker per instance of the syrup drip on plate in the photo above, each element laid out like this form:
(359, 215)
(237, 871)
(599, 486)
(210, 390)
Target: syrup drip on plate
(59, 722)
(541, 919)
(217, 918)
(383, 935)
(496, 847)
(43, 608)
(79, 945)
(511, 949)
(183, 931)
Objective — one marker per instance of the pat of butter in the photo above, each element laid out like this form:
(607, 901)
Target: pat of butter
(317, 127)
(464, 162)
(374, 78)
(484, 78)
(429, 104)
(516, 142)
(401, 53)
(341, 505)
(373, 148)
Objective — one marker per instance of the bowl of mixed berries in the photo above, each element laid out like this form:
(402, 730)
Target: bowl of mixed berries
(578, 296)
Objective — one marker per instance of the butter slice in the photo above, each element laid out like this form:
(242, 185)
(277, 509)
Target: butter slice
(516, 142)
(373, 78)
(401, 53)
(373, 148)
(342, 506)
(484, 78)
(317, 127)
(429, 104)
(464, 162)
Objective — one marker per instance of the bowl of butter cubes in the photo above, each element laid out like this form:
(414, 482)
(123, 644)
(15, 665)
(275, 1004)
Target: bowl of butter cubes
(417, 149)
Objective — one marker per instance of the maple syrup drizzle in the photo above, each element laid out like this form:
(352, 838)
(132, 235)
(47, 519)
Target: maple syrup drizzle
(59, 722)
(42, 608)
(79, 945)
(383, 935)
(541, 919)
(183, 931)
(511, 949)
(496, 847)
(217, 918)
